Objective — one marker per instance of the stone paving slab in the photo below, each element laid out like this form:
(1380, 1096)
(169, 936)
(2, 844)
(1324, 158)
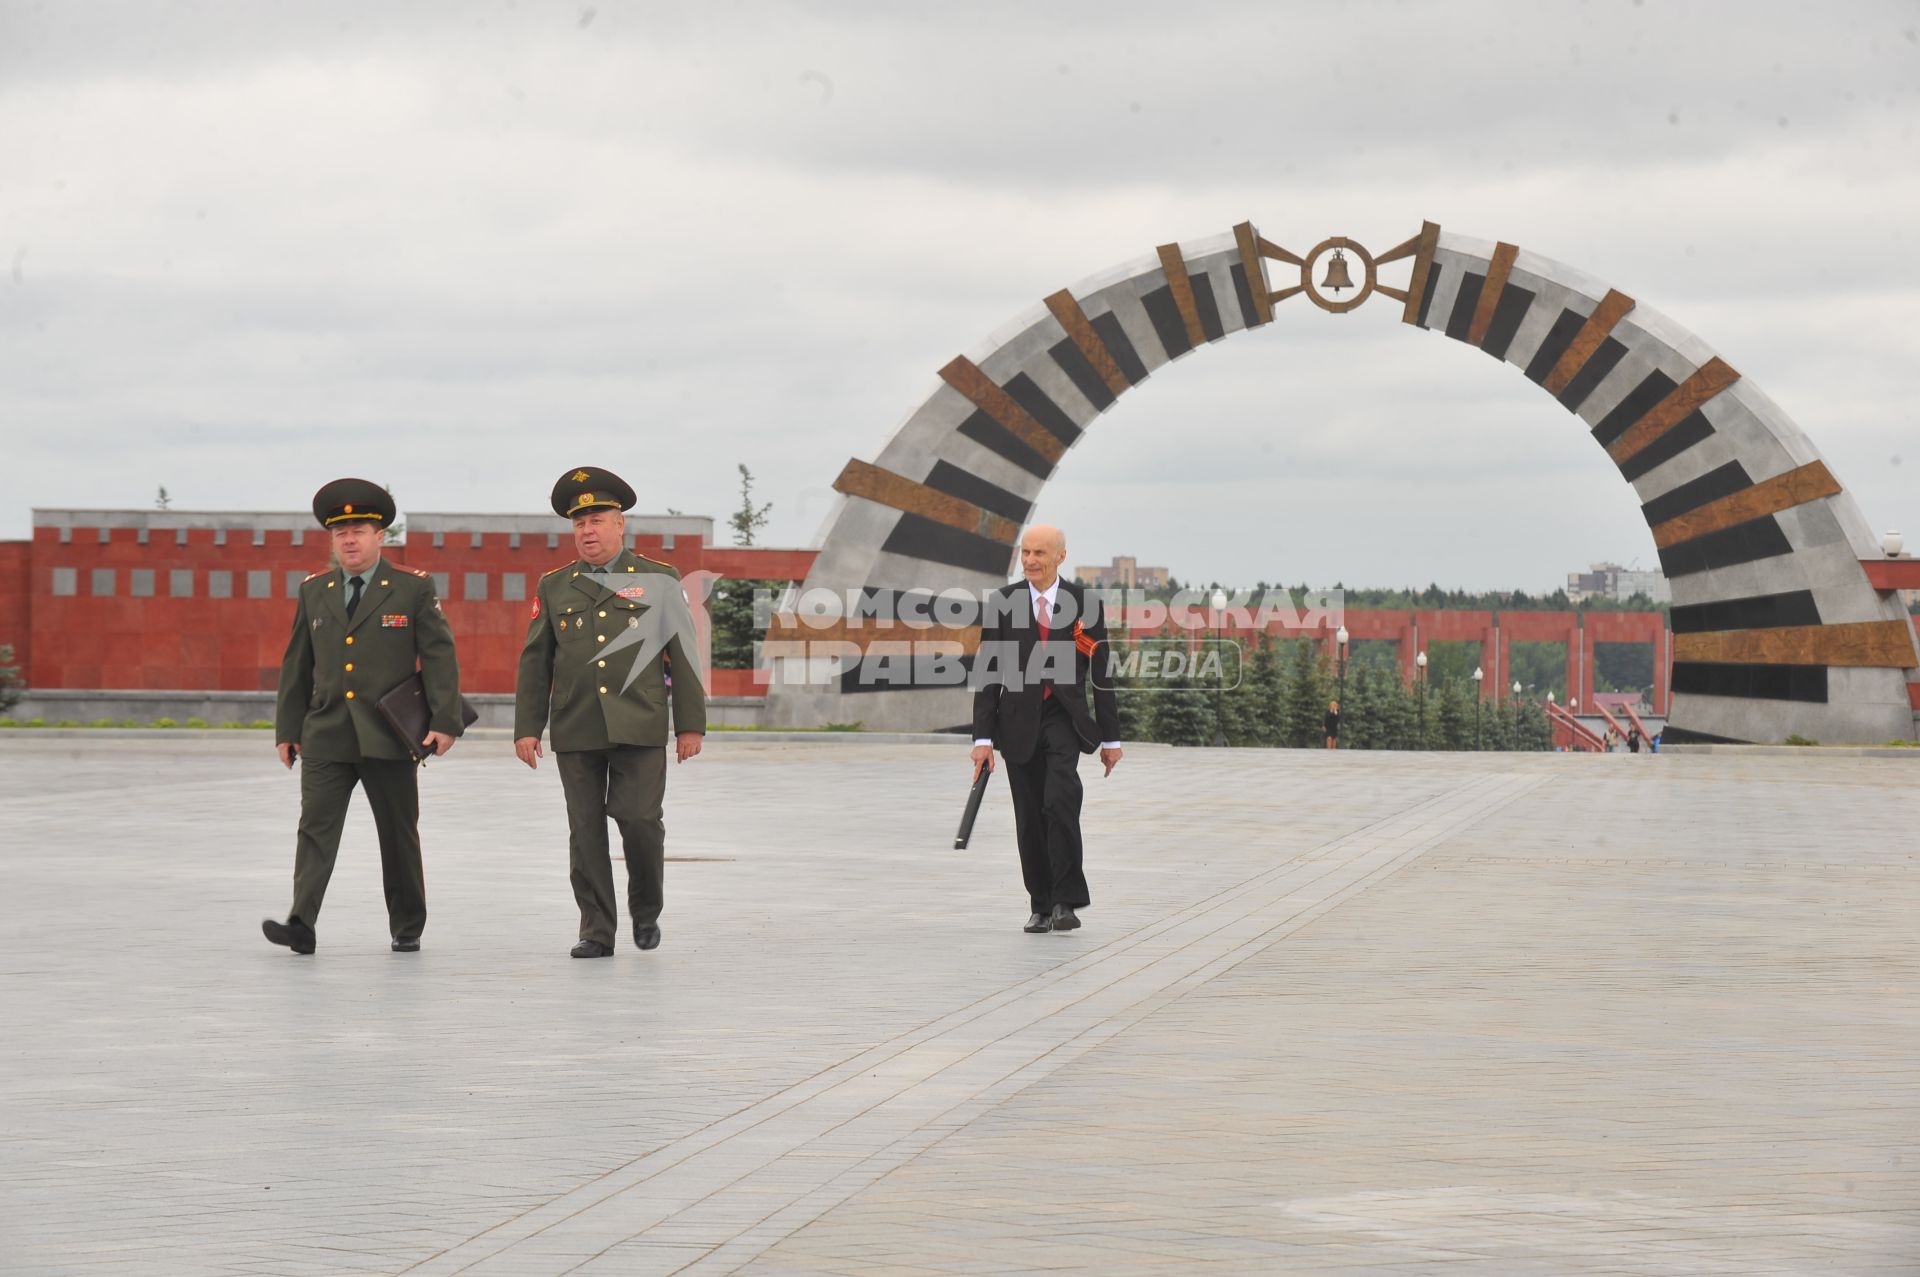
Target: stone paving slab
(1342, 1012)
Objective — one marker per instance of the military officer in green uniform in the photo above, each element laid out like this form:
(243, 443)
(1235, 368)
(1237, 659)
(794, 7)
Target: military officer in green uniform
(609, 644)
(361, 628)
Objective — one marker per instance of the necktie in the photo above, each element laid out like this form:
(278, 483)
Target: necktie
(1040, 611)
(353, 598)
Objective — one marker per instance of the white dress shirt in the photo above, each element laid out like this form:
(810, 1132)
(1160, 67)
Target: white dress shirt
(1047, 596)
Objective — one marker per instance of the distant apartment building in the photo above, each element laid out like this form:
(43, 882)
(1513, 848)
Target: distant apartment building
(1611, 581)
(1122, 574)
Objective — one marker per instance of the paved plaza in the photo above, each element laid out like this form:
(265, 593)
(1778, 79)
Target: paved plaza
(1330, 1013)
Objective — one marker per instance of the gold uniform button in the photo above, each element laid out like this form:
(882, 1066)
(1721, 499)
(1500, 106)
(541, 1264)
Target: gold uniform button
(603, 614)
(349, 667)
(349, 695)
(349, 640)
(600, 638)
(603, 665)
(603, 691)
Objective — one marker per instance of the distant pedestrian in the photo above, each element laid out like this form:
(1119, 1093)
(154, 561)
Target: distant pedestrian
(1331, 727)
(1633, 741)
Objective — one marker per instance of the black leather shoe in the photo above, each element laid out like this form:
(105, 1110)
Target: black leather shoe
(647, 935)
(1037, 923)
(407, 945)
(592, 949)
(293, 934)
(1064, 918)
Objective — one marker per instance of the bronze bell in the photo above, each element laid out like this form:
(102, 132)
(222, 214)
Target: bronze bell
(1337, 277)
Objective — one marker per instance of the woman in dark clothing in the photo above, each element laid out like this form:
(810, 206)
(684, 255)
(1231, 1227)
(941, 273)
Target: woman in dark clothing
(1332, 726)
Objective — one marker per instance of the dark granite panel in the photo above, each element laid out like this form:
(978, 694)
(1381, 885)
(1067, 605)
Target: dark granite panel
(1671, 735)
(955, 482)
(1465, 302)
(1120, 346)
(1082, 374)
(918, 537)
(1027, 393)
(1558, 338)
(1760, 538)
(1165, 314)
(1711, 486)
(1590, 375)
(1693, 428)
(1243, 294)
(1508, 313)
(993, 436)
(1757, 612)
(1752, 682)
(1426, 294)
(1639, 401)
(1208, 307)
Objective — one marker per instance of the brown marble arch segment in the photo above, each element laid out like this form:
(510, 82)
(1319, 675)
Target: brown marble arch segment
(1429, 240)
(1708, 380)
(966, 377)
(1080, 332)
(1250, 261)
(1769, 496)
(896, 491)
(1612, 309)
(1498, 268)
(782, 628)
(1869, 644)
(1181, 287)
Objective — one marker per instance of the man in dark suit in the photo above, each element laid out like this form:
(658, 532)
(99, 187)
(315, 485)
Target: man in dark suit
(361, 628)
(1041, 641)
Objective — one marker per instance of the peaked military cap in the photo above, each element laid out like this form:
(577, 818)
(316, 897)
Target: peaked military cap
(353, 501)
(591, 488)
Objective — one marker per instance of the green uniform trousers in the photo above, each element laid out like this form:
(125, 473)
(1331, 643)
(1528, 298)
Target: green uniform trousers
(393, 791)
(628, 783)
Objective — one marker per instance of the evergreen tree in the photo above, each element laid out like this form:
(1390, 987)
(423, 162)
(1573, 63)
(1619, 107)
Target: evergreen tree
(1306, 699)
(1450, 721)
(1183, 716)
(1263, 711)
(731, 608)
(749, 518)
(10, 683)
(1132, 706)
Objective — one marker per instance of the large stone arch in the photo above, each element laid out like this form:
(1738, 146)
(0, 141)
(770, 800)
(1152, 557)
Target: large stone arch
(1778, 628)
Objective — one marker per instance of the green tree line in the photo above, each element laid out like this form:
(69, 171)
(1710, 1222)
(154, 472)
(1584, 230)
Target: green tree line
(1279, 700)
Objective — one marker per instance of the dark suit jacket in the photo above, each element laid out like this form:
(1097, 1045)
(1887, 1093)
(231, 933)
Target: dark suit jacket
(1011, 668)
(335, 670)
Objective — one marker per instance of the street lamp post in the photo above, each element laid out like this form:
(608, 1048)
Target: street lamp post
(1513, 707)
(1219, 601)
(1420, 673)
(1478, 674)
(1340, 638)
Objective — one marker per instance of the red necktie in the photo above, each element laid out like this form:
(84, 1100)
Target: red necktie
(1041, 608)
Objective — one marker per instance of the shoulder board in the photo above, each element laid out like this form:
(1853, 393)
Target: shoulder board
(556, 571)
(315, 576)
(647, 558)
(416, 571)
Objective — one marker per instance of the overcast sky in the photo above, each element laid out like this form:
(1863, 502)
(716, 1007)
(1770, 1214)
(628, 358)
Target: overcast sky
(459, 248)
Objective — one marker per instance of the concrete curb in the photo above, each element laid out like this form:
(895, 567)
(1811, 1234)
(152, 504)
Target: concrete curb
(1813, 751)
(257, 734)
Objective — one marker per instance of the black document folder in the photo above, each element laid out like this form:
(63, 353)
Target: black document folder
(406, 712)
(973, 809)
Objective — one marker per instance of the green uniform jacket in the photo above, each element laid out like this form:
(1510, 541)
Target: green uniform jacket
(335, 669)
(566, 671)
